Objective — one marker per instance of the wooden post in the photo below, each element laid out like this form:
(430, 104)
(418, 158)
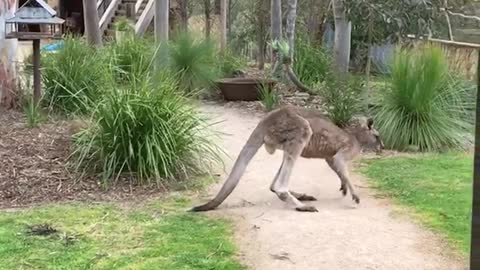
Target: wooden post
(475, 231)
(131, 11)
(37, 91)
(161, 20)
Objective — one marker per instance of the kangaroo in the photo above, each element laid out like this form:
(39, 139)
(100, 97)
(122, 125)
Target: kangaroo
(306, 133)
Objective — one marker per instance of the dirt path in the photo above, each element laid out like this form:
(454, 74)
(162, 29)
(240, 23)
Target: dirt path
(339, 236)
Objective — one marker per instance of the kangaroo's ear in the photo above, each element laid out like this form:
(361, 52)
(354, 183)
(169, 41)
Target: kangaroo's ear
(370, 123)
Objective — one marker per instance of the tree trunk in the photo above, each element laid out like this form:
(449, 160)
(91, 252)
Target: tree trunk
(290, 29)
(342, 45)
(230, 18)
(276, 28)
(276, 20)
(208, 22)
(447, 17)
(262, 11)
(223, 25)
(162, 9)
(183, 9)
(323, 12)
(288, 60)
(366, 97)
(90, 15)
(217, 8)
(161, 29)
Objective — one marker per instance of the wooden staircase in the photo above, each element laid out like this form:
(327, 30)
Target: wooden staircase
(110, 10)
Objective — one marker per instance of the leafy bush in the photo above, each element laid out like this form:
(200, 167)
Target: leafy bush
(193, 61)
(228, 63)
(311, 63)
(124, 24)
(424, 106)
(74, 77)
(269, 97)
(130, 58)
(342, 100)
(148, 129)
(32, 112)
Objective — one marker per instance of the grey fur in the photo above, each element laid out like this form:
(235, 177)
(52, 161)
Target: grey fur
(306, 133)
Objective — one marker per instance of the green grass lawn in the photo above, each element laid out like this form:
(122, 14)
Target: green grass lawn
(159, 235)
(438, 188)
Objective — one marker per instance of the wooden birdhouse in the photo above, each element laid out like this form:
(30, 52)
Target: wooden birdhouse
(34, 20)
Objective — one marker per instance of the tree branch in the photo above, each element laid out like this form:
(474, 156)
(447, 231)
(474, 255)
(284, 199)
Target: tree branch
(293, 77)
(463, 15)
(447, 17)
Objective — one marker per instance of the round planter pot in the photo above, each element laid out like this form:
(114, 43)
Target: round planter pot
(243, 89)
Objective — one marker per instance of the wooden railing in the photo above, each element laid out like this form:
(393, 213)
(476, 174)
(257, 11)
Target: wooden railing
(146, 18)
(138, 6)
(102, 6)
(107, 16)
(106, 10)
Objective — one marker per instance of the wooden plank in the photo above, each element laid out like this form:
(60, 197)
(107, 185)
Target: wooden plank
(448, 42)
(108, 15)
(145, 19)
(138, 5)
(31, 36)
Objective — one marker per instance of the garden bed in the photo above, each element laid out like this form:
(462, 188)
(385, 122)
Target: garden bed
(33, 167)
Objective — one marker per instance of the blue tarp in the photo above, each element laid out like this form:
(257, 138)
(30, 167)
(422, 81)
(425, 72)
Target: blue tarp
(53, 46)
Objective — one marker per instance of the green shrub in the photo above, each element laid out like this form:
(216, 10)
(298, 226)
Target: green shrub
(124, 24)
(130, 58)
(311, 63)
(74, 77)
(32, 112)
(146, 128)
(269, 97)
(228, 63)
(424, 106)
(193, 61)
(342, 100)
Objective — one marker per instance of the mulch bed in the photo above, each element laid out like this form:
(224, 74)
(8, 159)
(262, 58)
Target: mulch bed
(33, 167)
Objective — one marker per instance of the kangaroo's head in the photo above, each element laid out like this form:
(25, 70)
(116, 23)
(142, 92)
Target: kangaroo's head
(367, 135)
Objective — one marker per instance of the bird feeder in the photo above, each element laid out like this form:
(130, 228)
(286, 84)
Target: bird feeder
(35, 20)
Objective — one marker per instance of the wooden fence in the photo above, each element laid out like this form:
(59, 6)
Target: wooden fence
(462, 57)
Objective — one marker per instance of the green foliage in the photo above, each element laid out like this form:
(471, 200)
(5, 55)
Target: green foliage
(342, 99)
(228, 63)
(269, 97)
(147, 128)
(281, 46)
(311, 63)
(243, 31)
(124, 24)
(436, 187)
(424, 106)
(130, 58)
(73, 77)
(379, 21)
(33, 113)
(193, 61)
(104, 237)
